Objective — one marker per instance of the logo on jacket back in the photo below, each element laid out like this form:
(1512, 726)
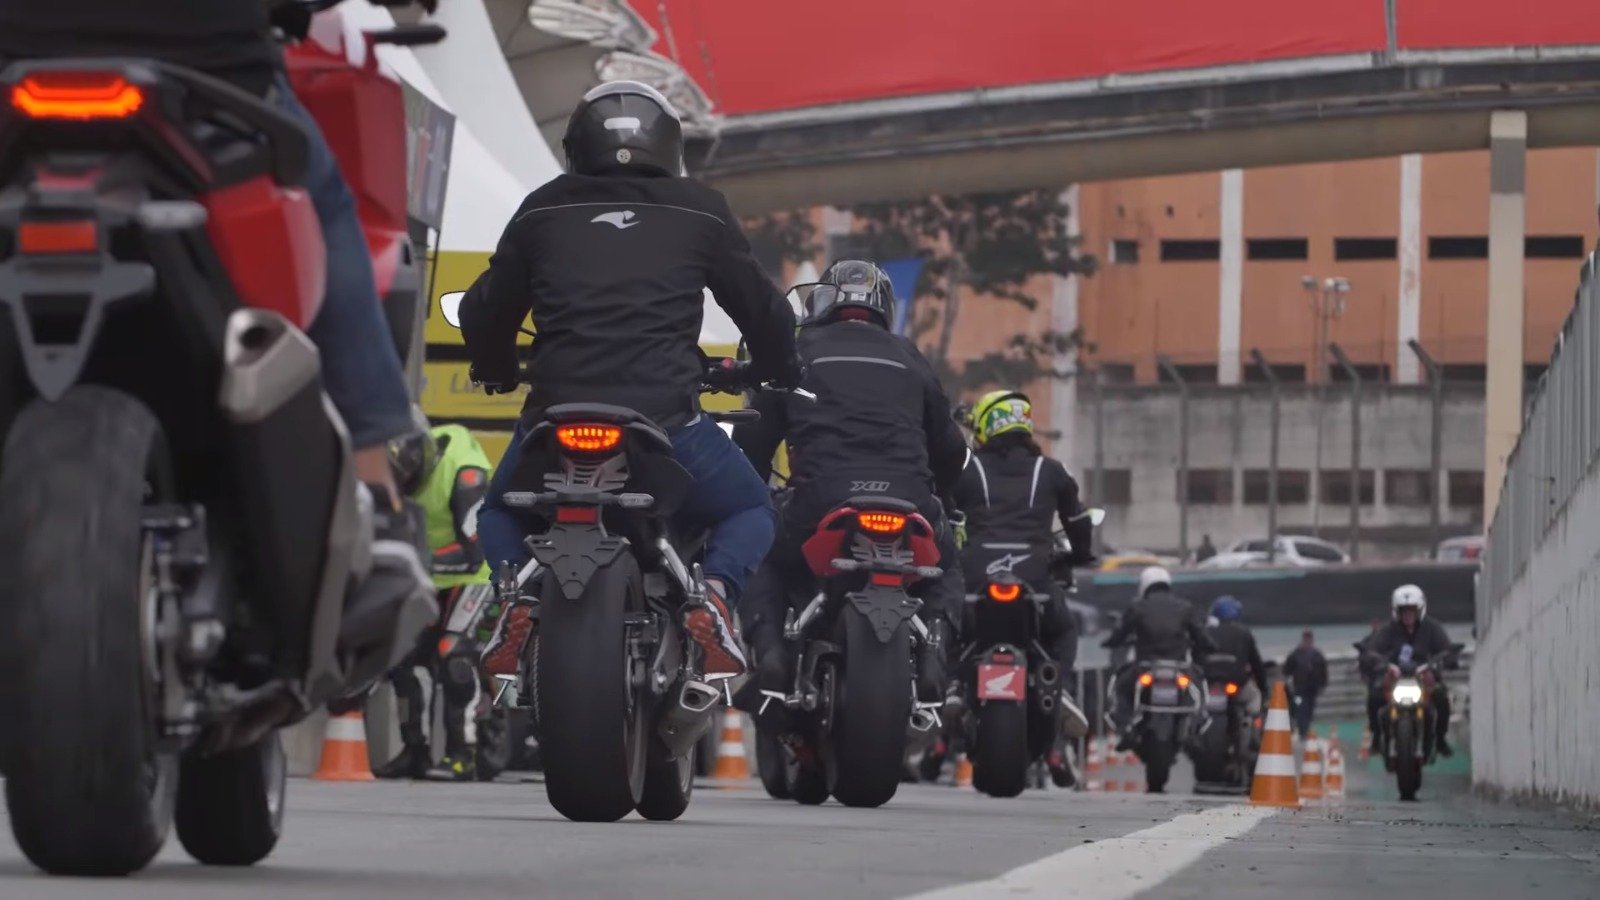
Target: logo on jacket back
(623, 219)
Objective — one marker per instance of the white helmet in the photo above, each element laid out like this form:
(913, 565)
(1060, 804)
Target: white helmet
(1409, 595)
(1153, 576)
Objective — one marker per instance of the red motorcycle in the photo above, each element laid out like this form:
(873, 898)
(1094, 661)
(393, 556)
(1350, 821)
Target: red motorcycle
(184, 542)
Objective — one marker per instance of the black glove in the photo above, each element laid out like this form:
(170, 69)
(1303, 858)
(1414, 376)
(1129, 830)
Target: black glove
(490, 385)
(786, 375)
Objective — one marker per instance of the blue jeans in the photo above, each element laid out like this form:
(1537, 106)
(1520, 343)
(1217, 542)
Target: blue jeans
(360, 368)
(728, 500)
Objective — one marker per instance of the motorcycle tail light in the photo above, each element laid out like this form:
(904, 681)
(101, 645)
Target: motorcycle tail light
(446, 644)
(1230, 689)
(577, 515)
(1146, 679)
(882, 522)
(1004, 593)
(80, 96)
(78, 236)
(589, 438)
(1183, 681)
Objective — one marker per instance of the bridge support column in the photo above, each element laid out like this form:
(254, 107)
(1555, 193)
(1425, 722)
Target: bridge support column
(1230, 287)
(1508, 147)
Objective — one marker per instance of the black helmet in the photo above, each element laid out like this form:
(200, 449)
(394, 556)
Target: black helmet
(413, 455)
(624, 126)
(849, 283)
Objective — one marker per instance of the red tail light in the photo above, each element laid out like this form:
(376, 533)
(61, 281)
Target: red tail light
(1183, 681)
(1230, 689)
(1146, 679)
(882, 522)
(589, 438)
(58, 237)
(577, 515)
(82, 96)
(1004, 593)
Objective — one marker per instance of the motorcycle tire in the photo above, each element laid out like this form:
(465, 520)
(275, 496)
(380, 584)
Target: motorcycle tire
(1158, 754)
(88, 792)
(1211, 754)
(770, 764)
(591, 738)
(867, 742)
(1407, 767)
(668, 784)
(1000, 753)
(808, 785)
(230, 805)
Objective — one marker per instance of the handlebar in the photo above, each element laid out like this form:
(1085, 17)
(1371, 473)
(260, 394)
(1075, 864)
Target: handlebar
(726, 375)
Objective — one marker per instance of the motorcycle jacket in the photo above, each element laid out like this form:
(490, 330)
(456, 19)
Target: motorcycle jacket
(228, 39)
(1161, 625)
(1012, 494)
(612, 269)
(879, 415)
(449, 496)
(1392, 644)
(1237, 641)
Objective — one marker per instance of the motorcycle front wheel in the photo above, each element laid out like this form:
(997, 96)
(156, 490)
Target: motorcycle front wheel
(230, 805)
(87, 789)
(867, 743)
(1407, 766)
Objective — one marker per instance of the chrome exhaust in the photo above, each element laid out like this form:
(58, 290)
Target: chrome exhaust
(1048, 674)
(698, 697)
(925, 716)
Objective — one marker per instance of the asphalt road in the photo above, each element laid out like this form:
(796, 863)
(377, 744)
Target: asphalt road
(395, 841)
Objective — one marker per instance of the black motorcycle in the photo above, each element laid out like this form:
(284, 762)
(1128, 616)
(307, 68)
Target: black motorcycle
(1168, 706)
(1408, 723)
(859, 644)
(1227, 740)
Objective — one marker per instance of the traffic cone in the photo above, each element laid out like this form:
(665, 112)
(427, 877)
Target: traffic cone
(963, 771)
(1113, 764)
(1092, 767)
(1335, 775)
(731, 762)
(1311, 768)
(1131, 771)
(1274, 783)
(344, 750)
(1364, 752)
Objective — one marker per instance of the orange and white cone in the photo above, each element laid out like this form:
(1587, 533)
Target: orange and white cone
(1274, 783)
(1334, 777)
(1364, 752)
(963, 774)
(731, 762)
(1311, 768)
(1092, 767)
(344, 750)
(1113, 763)
(1131, 770)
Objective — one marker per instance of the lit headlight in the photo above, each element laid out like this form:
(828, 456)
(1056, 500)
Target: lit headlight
(1407, 694)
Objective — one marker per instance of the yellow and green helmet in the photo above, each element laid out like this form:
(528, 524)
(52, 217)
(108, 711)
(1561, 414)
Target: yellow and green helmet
(998, 412)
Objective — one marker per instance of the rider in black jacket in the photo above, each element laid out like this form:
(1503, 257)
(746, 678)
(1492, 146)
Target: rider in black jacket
(611, 260)
(1410, 638)
(1233, 637)
(1160, 625)
(880, 424)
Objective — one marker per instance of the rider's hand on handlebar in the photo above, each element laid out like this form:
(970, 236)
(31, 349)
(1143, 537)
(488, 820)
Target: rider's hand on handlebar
(791, 374)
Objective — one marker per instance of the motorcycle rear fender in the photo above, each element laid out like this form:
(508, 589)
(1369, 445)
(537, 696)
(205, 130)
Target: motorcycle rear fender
(884, 608)
(307, 530)
(573, 553)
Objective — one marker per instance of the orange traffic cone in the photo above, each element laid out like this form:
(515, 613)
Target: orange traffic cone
(1113, 764)
(1092, 767)
(1364, 752)
(344, 750)
(963, 771)
(1274, 783)
(1131, 771)
(731, 762)
(1311, 768)
(1334, 777)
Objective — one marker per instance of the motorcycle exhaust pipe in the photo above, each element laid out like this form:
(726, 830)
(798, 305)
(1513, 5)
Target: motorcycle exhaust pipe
(1047, 702)
(923, 720)
(687, 716)
(1048, 674)
(698, 697)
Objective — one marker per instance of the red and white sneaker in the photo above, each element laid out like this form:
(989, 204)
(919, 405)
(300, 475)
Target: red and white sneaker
(710, 625)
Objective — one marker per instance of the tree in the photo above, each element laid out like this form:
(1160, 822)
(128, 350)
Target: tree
(782, 237)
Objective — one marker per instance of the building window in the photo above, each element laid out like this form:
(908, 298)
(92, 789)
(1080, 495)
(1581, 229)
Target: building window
(1292, 373)
(1458, 248)
(1190, 251)
(1191, 373)
(1365, 248)
(1276, 248)
(1124, 252)
(1115, 487)
(1212, 487)
(1115, 373)
(1407, 487)
(1336, 487)
(1553, 246)
(1294, 487)
(1466, 489)
(1469, 373)
(1369, 373)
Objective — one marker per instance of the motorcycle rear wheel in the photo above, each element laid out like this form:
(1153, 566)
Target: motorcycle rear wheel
(867, 742)
(1158, 754)
(590, 738)
(87, 789)
(668, 784)
(770, 764)
(230, 806)
(1000, 759)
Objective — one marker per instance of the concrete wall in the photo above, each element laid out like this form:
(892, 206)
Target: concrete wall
(1536, 719)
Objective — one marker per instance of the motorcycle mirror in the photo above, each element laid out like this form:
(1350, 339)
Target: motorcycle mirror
(1096, 516)
(408, 35)
(450, 307)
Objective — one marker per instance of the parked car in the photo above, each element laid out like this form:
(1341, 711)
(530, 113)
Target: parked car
(1460, 549)
(1293, 550)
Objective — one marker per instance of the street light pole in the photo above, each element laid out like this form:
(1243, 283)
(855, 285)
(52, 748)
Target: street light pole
(1327, 303)
(1272, 464)
(1355, 447)
(1172, 372)
(1436, 440)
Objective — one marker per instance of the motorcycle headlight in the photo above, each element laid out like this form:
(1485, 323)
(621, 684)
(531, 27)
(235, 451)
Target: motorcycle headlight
(1407, 694)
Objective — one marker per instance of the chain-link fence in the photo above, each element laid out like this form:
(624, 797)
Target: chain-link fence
(1560, 440)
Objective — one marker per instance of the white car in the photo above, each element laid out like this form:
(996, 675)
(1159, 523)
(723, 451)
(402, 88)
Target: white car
(1293, 550)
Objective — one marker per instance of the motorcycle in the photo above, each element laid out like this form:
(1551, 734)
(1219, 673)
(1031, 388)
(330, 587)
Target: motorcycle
(619, 695)
(468, 625)
(860, 644)
(164, 412)
(1168, 705)
(1407, 726)
(1226, 743)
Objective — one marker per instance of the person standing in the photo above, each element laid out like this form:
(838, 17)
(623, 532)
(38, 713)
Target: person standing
(1206, 550)
(1307, 672)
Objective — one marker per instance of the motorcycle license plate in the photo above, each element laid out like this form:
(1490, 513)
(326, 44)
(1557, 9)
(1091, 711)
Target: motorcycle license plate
(1217, 701)
(1164, 695)
(1002, 682)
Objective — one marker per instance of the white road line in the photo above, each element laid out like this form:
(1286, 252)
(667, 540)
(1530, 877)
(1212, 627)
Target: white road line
(1118, 868)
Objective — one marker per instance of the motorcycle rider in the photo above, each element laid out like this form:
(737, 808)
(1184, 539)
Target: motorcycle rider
(1011, 495)
(612, 260)
(1231, 636)
(1410, 638)
(881, 425)
(446, 471)
(232, 40)
(1161, 625)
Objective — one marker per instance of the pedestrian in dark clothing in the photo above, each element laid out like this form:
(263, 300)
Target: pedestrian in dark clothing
(1206, 550)
(1307, 672)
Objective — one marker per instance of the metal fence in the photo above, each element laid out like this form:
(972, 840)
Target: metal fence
(1560, 441)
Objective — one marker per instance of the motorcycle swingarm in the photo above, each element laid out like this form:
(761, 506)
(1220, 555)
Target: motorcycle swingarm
(884, 608)
(573, 553)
